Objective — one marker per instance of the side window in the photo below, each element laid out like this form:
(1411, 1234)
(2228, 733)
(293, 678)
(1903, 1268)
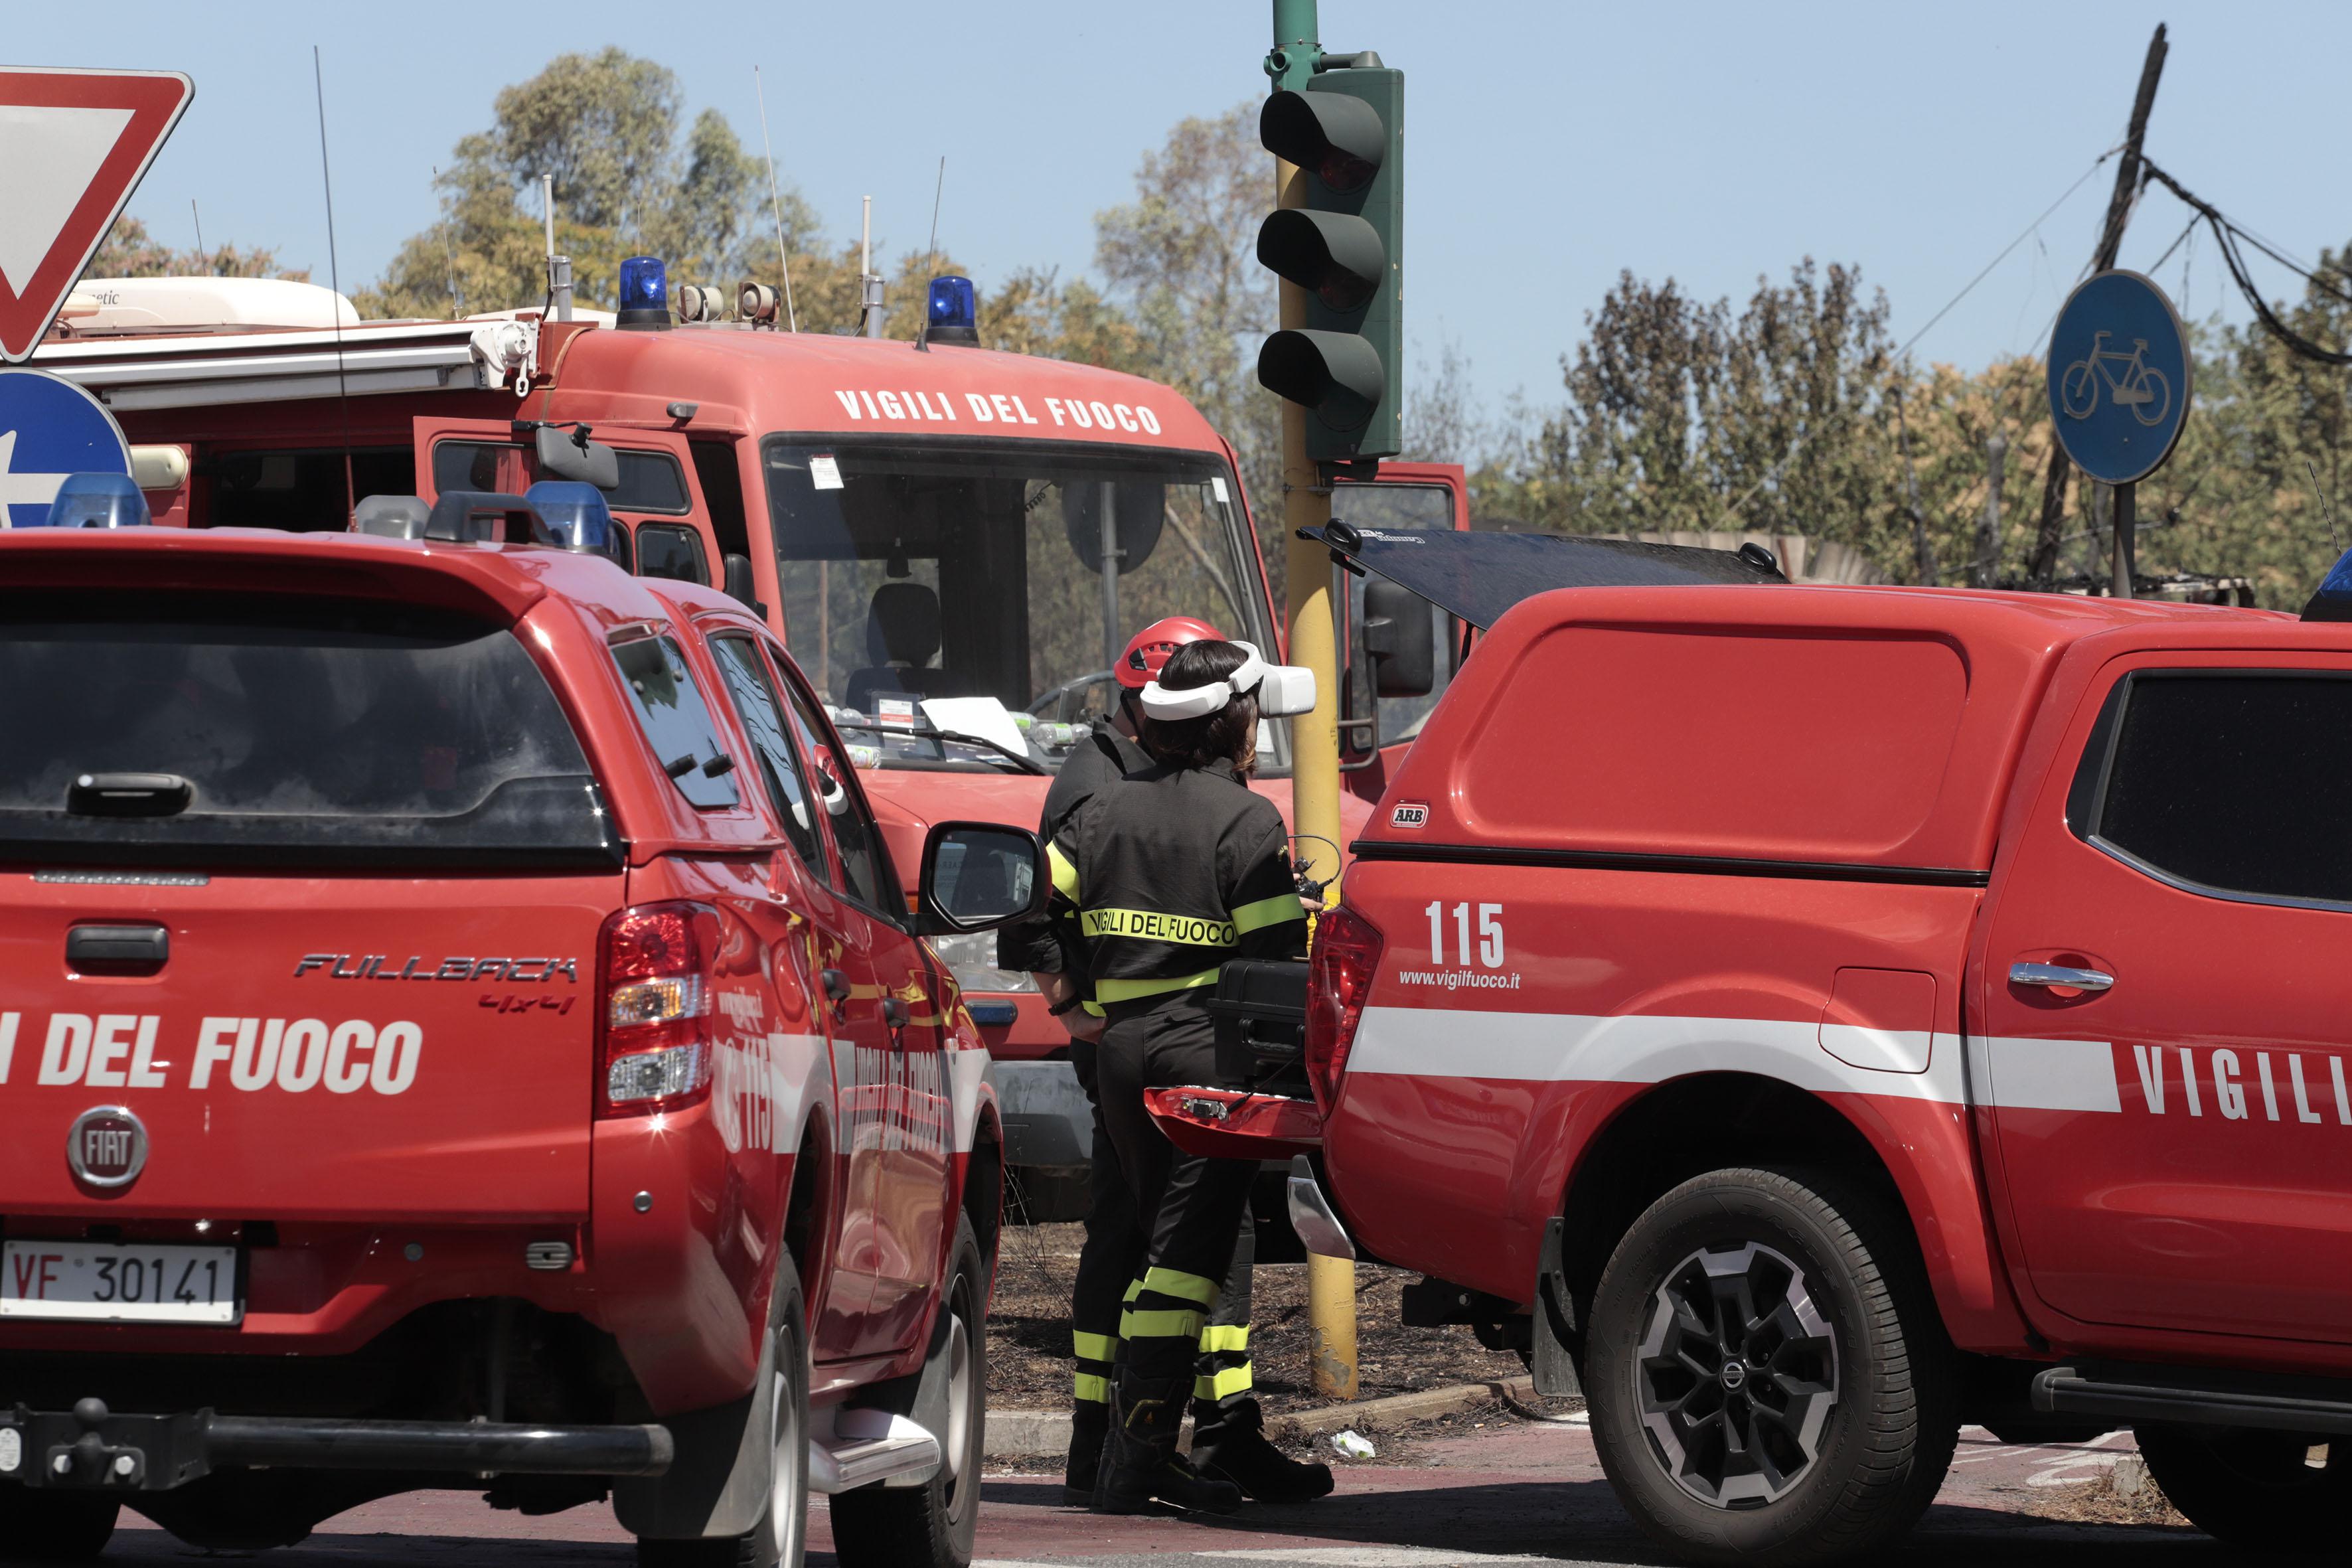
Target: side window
(666, 551)
(650, 481)
(2235, 783)
(745, 674)
(864, 859)
(670, 707)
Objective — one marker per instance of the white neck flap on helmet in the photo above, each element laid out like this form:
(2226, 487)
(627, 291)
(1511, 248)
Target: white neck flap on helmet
(1282, 688)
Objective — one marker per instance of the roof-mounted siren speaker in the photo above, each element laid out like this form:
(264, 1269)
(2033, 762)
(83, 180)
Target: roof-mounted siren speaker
(99, 501)
(756, 302)
(954, 315)
(645, 295)
(700, 303)
(2333, 601)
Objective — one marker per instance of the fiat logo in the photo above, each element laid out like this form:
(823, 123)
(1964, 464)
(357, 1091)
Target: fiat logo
(107, 1146)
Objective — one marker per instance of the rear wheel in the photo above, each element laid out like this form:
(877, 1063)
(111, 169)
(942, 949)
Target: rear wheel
(2271, 1492)
(780, 1538)
(53, 1526)
(1768, 1380)
(932, 1525)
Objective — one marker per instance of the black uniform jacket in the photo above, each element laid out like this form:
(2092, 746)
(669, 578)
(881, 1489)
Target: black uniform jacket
(1168, 873)
(1102, 758)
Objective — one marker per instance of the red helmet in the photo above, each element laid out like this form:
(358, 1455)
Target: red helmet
(1154, 643)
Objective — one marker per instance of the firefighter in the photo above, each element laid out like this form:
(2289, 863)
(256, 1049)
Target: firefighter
(1162, 875)
(1111, 1256)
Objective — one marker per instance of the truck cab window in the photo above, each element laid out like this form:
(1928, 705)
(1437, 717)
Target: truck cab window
(666, 550)
(2234, 784)
(300, 492)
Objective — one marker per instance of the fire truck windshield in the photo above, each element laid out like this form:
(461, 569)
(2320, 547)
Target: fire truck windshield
(931, 569)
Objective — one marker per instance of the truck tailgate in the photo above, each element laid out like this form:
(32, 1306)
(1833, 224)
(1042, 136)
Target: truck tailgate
(371, 1047)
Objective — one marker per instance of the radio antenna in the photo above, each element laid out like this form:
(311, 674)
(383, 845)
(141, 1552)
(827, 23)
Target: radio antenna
(923, 332)
(210, 269)
(449, 252)
(335, 281)
(2324, 510)
(775, 200)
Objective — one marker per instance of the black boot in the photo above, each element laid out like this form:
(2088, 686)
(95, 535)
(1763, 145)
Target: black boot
(1140, 1460)
(1229, 1443)
(1089, 1420)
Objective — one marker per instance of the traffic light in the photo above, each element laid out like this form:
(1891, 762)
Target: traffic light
(1343, 245)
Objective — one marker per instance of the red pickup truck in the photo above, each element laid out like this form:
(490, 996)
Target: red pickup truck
(461, 1027)
(1809, 1019)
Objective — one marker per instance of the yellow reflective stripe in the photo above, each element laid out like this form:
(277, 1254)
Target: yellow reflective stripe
(1156, 925)
(1066, 874)
(1182, 1285)
(1110, 991)
(1224, 1384)
(1093, 1347)
(1176, 1325)
(1092, 1008)
(1092, 1390)
(1225, 1337)
(1134, 1289)
(1267, 912)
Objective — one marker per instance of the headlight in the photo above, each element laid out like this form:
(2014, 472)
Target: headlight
(971, 958)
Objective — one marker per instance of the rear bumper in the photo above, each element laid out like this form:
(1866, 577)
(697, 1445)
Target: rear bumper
(89, 1448)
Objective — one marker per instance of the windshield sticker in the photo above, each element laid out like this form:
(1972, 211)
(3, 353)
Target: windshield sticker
(895, 405)
(1217, 489)
(825, 473)
(897, 711)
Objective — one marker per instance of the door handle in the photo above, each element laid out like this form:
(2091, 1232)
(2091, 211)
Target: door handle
(836, 986)
(894, 1012)
(2059, 974)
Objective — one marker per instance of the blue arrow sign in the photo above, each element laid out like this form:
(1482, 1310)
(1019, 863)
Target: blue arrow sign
(48, 429)
(2119, 372)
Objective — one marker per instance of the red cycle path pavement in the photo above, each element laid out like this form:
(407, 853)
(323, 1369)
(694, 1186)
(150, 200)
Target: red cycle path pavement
(1507, 1490)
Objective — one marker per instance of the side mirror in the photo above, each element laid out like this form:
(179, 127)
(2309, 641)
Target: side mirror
(1398, 639)
(569, 455)
(739, 582)
(978, 876)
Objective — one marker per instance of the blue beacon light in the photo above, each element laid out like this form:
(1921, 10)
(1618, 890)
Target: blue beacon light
(99, 501)
(575, 514)
(954, 316)
(645, 295)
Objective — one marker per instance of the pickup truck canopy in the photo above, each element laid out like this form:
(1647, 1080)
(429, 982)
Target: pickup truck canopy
(1478, 576)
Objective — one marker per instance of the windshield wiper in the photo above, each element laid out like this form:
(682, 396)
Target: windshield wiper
(1025, 764)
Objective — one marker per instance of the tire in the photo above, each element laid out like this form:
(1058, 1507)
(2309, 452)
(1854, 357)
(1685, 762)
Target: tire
(932, 1525)
(53, 1526)
(1848, 1449)
(2255, 1490)
(780, 1540)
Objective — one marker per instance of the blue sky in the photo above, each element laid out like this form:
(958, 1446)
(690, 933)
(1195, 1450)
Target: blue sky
(1549, 145)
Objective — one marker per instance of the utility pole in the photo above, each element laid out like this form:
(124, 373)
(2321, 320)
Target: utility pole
(2111, 238)
(1989, 525)
(1314, 737)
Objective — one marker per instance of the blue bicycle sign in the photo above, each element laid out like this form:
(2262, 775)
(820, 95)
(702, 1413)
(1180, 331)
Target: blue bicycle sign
(2118, 410)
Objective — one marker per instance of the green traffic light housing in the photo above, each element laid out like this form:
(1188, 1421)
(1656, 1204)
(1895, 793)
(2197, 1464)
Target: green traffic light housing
(1340, 238)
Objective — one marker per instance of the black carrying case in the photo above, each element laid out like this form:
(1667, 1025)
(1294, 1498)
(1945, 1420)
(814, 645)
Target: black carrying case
(1260, 1007)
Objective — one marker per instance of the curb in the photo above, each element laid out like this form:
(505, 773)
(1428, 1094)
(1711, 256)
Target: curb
(1015, 1434)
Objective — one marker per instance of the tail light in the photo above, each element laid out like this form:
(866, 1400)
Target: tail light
(655, 1045)
(1346, 954)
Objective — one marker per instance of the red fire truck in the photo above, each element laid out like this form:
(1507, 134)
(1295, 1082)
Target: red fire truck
(954, 543)
(1805, 1019)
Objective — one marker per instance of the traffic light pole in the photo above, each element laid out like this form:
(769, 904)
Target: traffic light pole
(1314, 737)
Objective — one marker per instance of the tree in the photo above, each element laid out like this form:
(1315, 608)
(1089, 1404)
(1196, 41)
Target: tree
(130, 252)
(605, 128)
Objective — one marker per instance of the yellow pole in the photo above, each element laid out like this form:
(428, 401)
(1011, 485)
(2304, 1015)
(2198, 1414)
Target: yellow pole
(1315, 783)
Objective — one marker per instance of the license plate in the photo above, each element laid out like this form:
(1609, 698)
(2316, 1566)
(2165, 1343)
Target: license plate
(110, 1282)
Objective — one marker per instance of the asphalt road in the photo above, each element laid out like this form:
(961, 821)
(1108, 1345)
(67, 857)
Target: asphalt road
(1506, 1495)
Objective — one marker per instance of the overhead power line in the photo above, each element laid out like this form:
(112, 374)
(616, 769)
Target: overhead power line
(2227, 235)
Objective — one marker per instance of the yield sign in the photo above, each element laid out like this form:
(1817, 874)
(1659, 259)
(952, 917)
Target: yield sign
(73, 145)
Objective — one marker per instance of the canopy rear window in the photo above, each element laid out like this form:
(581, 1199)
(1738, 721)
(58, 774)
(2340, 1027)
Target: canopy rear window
(274, 730)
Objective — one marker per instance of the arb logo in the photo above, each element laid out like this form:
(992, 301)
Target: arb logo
(1409, 813)
(107, 1147)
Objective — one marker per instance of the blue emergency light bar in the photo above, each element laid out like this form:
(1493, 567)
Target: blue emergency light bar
(99, 501)
(575, 514)
(2333, 602)
(645, 295)
(954, 311)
